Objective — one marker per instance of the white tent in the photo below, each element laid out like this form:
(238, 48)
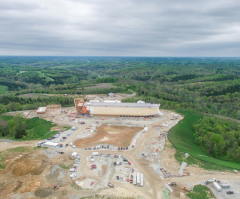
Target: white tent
(74, 154)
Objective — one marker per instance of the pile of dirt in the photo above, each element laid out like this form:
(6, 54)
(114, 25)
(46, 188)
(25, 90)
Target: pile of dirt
(42, 192)
(28, 163)
(122, 139)
(58, 176)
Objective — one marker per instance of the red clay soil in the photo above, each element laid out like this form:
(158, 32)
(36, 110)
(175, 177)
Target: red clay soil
(122, 139)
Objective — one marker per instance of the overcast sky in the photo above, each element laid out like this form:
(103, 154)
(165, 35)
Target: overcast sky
(120, 27)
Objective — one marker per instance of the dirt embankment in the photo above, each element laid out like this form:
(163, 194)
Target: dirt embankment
(121, 139)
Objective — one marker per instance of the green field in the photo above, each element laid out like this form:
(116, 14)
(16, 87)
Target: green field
(3, 89)
(200, 192)
(40, 129)
(183, 139)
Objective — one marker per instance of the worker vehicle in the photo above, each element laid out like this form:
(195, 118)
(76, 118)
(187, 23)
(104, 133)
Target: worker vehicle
(172, 183)
(72, 169)
(110, 185)
(185, 188)
(73, 175)
(230, 192)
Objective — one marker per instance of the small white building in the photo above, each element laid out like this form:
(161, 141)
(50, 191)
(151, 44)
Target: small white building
(51, 144)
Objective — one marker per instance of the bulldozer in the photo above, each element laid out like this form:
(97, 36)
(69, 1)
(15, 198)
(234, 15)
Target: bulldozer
(185, 188)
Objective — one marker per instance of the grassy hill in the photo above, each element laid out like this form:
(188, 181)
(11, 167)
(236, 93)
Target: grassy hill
(182, 136)
(39, 127)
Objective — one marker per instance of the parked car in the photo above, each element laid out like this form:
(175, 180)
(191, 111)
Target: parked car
(72, 169)
(230, 192)
(110, 185)
(73, 175)
(126, 148)
(117, 177)
(118, 148)
(129, 163)
(131, 181)
(115, 163)
(91, 183)
(127, 179)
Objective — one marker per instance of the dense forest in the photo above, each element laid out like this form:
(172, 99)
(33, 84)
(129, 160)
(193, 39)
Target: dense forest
(218, 137)
(209, 85)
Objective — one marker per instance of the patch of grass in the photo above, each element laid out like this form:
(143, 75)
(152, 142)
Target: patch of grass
(3, 89)
(2, 166)
(4, 154)
(40, 128)
(20, 149)
(67, 166)
(182, 136)
(200, 192)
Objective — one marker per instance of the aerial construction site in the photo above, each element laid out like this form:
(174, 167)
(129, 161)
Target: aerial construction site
(102, 148)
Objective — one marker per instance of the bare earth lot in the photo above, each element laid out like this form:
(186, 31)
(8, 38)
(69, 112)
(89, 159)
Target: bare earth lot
(122, 139)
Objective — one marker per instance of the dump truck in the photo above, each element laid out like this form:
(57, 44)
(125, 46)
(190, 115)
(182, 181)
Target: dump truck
(185, 188)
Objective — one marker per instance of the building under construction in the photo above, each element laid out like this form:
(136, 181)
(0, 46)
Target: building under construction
(116, 108)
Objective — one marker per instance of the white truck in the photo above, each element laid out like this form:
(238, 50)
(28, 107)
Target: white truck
(138, 178)
(141, 183)
(134, 178)
(95, 154)
(217, 186)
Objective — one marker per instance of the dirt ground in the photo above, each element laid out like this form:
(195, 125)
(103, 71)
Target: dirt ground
(122, 139)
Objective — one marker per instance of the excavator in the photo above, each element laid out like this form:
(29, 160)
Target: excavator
(52, 185)
(185, 188)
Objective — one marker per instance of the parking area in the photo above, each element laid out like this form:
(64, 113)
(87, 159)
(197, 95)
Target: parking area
(234, 186)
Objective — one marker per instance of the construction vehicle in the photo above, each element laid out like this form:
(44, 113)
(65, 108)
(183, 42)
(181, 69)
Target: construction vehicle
(71, 158)
(52, 185)
(172, 183)
(185, 188)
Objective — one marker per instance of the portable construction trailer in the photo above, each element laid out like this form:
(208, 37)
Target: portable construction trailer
(217, 186)
(141, 176)
(138, 178)
(225, 186)
(134, 178)
(51, 144)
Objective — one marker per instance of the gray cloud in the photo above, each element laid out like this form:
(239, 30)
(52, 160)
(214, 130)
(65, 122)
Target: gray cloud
(120, 28)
